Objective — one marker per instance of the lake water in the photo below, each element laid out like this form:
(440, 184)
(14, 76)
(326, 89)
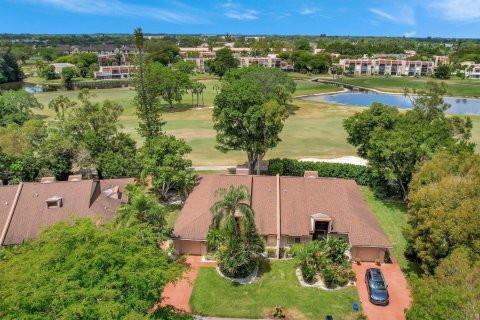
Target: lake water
(365, 99)
(29, 87)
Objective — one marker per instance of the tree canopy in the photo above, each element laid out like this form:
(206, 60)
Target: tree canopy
(444, 208)
(452, 293)
(16, 107)
(394, 143)
(77, 270)
(163, 159)
(10, 71)
(245, 120)
(223, 62)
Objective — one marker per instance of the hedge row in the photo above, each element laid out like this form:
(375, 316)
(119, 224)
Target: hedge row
(289, 167)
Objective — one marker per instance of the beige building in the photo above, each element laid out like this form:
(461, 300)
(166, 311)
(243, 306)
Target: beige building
(288, 210)
(387, 67)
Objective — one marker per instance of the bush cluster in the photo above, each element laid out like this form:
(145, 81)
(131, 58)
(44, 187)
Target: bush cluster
(327, 258)
(290, 167)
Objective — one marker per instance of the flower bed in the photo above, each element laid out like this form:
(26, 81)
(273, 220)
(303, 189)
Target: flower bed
(325, 260)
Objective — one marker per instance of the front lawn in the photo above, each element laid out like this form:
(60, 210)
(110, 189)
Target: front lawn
(392, 217)
(215, 296)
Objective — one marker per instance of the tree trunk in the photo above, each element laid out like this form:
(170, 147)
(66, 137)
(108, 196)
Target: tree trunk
(252, 160)
(404, 190)
(259, 161)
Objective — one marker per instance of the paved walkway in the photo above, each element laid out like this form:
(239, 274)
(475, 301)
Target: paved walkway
(178, 295)
(397, 289)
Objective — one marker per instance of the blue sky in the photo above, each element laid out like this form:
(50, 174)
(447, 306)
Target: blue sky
(419, 18)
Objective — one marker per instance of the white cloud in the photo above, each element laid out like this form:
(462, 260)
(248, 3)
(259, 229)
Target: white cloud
(382, 14)
(404, 14)
(457, 10)
(235, 11)
(309, 11)
(242, 15)
(409, 34)
(118, 8)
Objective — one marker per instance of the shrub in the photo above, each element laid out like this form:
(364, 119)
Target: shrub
(278, 312)
(377, 262)
(329, 275)
(295, 248)
(362, 316)
(236, 260)
(289, 167)
(358, 261)
(308, 273)
(271, 252)
(387, 258)
(352, 276)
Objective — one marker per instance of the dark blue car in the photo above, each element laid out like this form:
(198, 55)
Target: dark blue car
(376, 286)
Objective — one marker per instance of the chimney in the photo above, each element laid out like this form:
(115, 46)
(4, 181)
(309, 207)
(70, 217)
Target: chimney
(75, 177)
(310, 174)
(48, 180)
(241, 171)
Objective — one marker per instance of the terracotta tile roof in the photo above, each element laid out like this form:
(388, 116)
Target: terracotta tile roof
(7, 196)
(300, 198)
(82, 198)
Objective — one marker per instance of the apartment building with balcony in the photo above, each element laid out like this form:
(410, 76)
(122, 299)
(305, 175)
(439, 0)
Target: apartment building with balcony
(386, 67)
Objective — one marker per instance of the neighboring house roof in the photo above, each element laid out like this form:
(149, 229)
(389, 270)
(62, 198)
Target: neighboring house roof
(82, 198)
(301, 199)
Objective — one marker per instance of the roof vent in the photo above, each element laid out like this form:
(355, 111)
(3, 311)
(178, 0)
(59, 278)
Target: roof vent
(75, 177)
(54, 202)
(48, 180)
(241, 171)
(113, 192)
(310, 174)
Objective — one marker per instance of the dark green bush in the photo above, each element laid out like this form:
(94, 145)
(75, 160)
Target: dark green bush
(308, 273)
(289, 167)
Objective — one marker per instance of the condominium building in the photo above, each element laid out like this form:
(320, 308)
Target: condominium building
(386, 67)
(114, 72)
(269, 62)
(440, 60)
(472, 70)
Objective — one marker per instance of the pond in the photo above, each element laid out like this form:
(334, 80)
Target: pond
(365, 99)
(29, 87)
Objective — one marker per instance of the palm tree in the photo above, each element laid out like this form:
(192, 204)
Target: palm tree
(141, 208)
(233, 231)
(231, 214)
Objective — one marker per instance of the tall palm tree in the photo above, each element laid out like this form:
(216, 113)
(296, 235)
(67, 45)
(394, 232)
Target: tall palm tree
(234, 227)
(232, 214)
(141, 207)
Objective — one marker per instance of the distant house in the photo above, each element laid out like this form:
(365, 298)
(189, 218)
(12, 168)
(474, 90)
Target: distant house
(59, 66)
(28, 207)
(288, 210)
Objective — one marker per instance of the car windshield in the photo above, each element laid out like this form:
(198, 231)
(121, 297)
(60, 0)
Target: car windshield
(378, 285)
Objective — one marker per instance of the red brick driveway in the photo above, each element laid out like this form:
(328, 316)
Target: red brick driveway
(397, 288)
(178, 295)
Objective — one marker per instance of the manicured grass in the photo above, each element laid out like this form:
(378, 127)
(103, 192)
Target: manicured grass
(470, 88)
(312, 130)
(392, 216)
(305, 87)
(214, 296)
(172, 212)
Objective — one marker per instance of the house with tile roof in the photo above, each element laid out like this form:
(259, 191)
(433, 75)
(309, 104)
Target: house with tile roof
(28, 207)
(288, 210)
